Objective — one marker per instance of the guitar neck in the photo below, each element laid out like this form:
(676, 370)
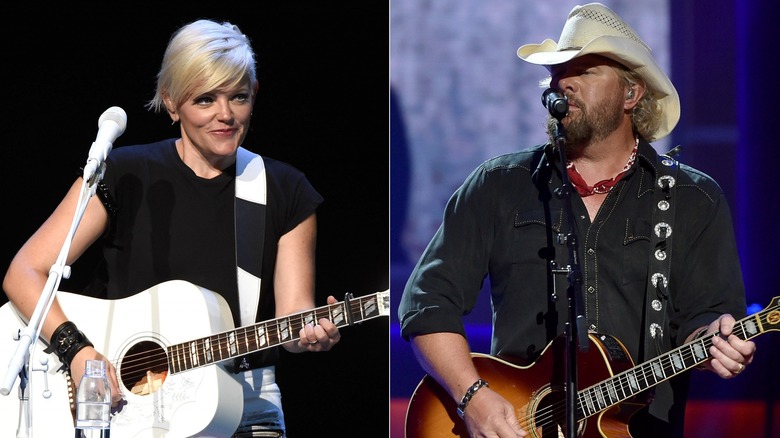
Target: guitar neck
(648, 374)
(230, 344)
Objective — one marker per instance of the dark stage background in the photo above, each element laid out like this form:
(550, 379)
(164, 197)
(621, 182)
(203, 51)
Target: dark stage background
(322, 106)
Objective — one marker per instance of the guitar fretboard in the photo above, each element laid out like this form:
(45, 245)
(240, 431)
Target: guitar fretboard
(648, 374)
(230, 344)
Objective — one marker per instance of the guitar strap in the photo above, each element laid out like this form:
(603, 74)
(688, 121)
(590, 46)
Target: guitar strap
(250, 207)
(657, 294)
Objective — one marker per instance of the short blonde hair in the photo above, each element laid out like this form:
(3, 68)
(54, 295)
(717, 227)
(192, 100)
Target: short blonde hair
(203, 56)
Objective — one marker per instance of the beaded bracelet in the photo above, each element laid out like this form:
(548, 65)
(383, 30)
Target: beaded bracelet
(469, 394)
(66, 341)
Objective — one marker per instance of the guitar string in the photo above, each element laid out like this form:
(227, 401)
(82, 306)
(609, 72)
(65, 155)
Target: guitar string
(550, 414)
(220, 342)
(160, 360)
(557, 410)
(555, 413)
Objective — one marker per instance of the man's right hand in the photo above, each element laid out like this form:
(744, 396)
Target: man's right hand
(490, 415)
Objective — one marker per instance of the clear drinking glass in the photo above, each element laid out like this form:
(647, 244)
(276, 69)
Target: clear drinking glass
(93, 400)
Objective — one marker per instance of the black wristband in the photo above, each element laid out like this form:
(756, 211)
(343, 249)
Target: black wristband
(469, 394)
(66, 341)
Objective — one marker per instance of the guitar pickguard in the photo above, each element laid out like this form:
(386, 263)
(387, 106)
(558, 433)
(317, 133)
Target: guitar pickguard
(613, 349)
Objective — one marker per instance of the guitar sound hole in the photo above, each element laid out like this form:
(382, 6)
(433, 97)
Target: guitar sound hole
(550, 416)
(144, 368)
(550, 419)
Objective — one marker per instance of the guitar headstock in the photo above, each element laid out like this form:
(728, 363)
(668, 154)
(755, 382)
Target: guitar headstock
(383, 303)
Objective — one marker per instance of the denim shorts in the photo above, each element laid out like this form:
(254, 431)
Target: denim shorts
(263, 416)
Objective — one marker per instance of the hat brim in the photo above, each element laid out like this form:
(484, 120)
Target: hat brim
(624, 51)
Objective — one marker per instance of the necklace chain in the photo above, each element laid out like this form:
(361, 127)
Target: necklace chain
(603, 186)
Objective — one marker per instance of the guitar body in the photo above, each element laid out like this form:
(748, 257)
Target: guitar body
(609, 388)
(203, 401)
(173, 383)
(537, 391)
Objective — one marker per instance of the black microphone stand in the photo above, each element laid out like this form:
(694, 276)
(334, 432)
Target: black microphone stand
(576, 330)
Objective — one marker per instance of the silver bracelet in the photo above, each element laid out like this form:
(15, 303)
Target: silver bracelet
(469, 394)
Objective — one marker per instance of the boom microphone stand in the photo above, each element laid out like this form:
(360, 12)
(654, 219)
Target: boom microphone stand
(21, 363)
(576, 330)
(111, 125)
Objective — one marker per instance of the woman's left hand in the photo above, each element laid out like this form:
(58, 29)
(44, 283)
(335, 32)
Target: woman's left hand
(320, 337)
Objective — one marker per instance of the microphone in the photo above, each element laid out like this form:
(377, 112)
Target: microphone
(555, 102)
(111, 125)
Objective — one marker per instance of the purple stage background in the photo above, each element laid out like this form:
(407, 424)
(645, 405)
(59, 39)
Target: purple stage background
(459, 95)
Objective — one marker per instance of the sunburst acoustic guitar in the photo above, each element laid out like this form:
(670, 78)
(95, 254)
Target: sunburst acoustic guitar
(612, 388)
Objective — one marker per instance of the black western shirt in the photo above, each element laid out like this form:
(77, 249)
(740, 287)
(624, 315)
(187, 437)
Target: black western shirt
(506, 226)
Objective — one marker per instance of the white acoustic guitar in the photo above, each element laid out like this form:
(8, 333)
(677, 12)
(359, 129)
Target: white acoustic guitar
(170, 368)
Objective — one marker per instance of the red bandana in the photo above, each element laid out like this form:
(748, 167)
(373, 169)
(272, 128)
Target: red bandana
(600, 187)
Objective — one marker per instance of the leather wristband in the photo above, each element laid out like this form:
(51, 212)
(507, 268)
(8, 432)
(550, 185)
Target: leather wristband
(476, 386)
(66, 341)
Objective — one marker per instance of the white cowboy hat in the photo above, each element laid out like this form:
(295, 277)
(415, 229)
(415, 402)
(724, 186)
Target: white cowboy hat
(596, 29)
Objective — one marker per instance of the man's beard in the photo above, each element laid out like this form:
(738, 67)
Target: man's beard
(591, 125)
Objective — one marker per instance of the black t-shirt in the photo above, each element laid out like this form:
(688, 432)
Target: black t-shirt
(169, 224)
